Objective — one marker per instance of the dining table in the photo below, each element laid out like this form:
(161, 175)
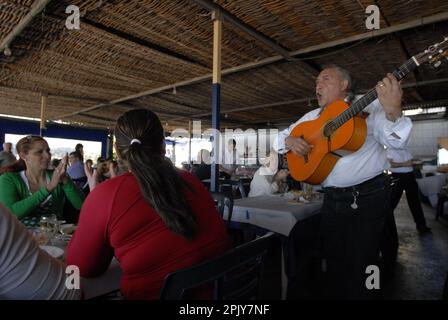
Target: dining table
(102, 285)
(278, 213)
(431, 186)
(281, 214)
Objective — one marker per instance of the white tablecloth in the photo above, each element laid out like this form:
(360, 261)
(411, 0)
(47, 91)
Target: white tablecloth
(431, 186)
(275, 213)
(101, 285)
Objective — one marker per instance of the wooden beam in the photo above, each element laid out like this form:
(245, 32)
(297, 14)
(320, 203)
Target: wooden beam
(371, 34)
(35, 10)
(282, 103)
(92, 100)
(375, 33)
(143, 43)
(227, 16)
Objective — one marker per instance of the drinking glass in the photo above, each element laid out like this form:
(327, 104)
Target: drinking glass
(40, 236)
(49, 224)
(308, 191)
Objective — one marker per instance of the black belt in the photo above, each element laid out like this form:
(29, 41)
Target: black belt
(362, 187)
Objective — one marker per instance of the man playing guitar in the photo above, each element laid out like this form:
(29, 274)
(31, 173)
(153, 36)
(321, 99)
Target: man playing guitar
(357, 196)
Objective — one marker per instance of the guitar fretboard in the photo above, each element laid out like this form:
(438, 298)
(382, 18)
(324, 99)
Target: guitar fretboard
(370, 96)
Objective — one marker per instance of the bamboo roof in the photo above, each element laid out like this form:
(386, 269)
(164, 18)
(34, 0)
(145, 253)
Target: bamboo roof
(158, 55)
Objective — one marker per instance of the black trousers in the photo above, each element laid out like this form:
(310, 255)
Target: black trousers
(406, 182)
(351, 237)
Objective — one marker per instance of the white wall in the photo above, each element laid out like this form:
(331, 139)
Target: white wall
(423, 143)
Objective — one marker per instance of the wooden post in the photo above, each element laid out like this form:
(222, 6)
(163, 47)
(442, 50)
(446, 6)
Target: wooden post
(43, 107)
(216, 98)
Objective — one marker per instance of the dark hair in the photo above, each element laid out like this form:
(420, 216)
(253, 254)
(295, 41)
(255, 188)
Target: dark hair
(55, 162)
(232, 141)
(23, 146)
(76, 154)
(160, 183)
(78, 148)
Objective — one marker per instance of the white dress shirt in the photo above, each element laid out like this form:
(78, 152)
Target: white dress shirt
(370, 160)
(231, 159)
(262, 184)
(399, 155)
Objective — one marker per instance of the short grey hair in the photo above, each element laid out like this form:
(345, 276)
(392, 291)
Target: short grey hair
(344, 75)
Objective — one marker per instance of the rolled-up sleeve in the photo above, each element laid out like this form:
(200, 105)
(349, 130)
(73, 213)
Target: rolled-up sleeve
(279, 142)
(392, 134)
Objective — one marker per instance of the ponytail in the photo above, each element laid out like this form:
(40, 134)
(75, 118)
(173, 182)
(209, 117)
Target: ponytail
(139, 141)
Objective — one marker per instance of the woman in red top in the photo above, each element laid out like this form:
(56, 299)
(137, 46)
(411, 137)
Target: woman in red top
(154, 220)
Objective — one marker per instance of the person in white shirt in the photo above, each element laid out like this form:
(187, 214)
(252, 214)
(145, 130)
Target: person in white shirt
(404, 177)
(231, 158)
(268, 180)
(26, 271)
(6, 155)
(357, 196)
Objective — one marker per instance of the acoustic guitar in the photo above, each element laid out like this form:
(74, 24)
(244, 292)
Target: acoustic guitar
(341, 128)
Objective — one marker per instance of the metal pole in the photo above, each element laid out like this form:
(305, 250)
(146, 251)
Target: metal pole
(216, 98)
(189, 142)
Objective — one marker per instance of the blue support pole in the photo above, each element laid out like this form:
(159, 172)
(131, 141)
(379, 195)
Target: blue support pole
(216, 104)
(216, 99)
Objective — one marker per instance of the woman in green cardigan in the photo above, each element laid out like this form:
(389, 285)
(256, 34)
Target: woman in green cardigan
(30, 190)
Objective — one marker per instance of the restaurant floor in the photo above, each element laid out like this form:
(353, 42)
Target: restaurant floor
(422, 264)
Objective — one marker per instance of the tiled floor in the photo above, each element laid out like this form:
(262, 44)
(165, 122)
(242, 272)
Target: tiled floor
(422, 264)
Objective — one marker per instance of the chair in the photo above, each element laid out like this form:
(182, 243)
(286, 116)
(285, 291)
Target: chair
(442, 198)
(236, 230)
(244, 186)
(222, 201)
(445, 288)
(234, 275)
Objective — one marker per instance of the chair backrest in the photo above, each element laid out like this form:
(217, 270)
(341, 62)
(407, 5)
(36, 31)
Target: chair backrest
(223, 200)
(244, 186)
(234, 275)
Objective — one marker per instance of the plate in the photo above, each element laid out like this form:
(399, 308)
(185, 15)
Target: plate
(55, 252)
(68, 228)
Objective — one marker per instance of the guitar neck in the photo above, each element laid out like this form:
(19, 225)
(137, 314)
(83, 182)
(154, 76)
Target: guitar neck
(371, 95)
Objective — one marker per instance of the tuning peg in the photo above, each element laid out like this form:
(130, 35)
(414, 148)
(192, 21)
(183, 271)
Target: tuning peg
(437, 64)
